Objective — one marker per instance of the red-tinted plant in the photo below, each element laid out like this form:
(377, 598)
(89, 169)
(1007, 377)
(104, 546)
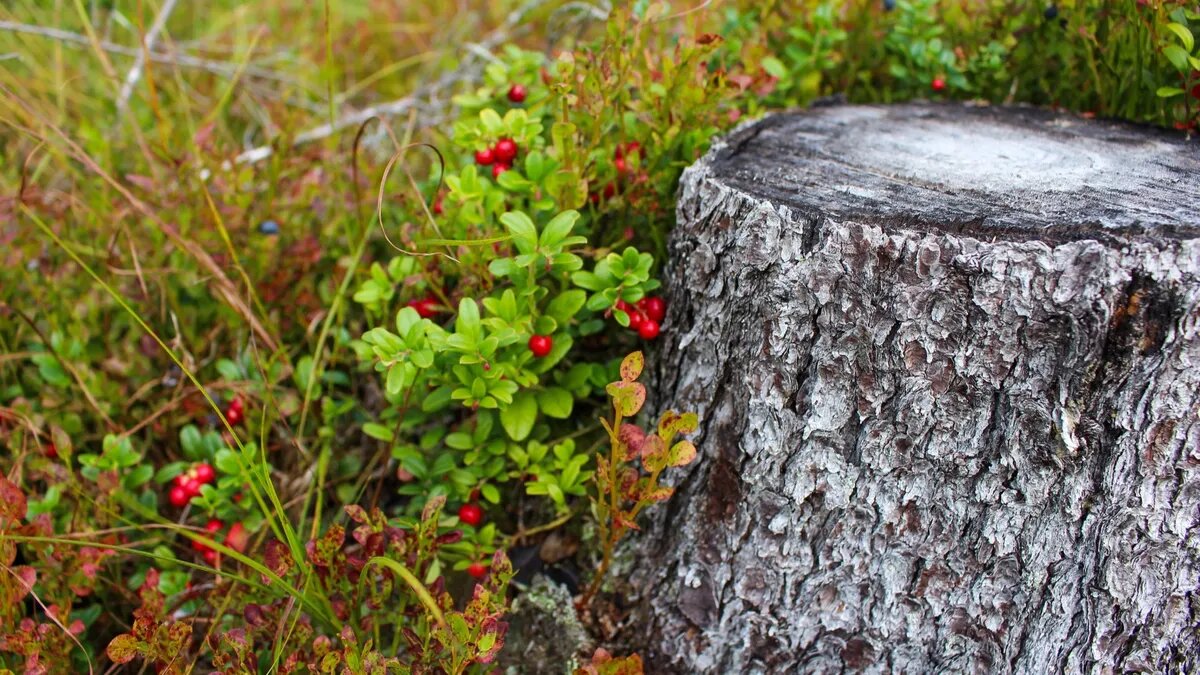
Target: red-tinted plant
(622, 488)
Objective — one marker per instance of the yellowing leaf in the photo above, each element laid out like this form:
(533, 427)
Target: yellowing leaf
(631, 366)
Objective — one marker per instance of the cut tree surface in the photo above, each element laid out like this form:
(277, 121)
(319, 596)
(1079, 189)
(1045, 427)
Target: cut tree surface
(947, 362)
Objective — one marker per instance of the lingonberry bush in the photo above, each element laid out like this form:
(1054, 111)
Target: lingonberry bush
(283, 384)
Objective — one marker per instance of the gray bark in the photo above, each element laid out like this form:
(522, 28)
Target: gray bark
(947, 363)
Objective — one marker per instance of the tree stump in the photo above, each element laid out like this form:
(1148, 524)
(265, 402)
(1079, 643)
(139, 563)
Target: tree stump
(947, 364)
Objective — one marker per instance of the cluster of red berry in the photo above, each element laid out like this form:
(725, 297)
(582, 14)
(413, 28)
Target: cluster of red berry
(236, 411)
(471, 514)
(426, 307)
(646, 316)
(236, 538)
(500, 156)
(188, 484)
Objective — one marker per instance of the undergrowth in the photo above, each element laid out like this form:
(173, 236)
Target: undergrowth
(316, 312)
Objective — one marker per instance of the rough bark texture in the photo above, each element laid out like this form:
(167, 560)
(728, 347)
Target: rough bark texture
(947, 361)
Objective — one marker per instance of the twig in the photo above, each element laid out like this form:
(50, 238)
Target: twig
(217, 67)
(135, 73)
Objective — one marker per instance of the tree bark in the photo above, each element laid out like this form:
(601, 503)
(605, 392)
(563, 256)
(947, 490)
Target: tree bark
(947, 364)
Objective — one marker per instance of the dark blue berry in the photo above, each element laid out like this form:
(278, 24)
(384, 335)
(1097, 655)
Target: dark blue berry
(889, 5)
(1051, 12)
(269, 227)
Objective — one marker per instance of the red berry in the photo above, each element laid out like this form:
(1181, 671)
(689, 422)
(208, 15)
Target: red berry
(484, 157)
(938, 84)
(540, 345)
(438, 209)
(51, 451)
(214, 525)
(499, 168)
(627, 149)
(234, 415)
(636, 319)
(205, 473)
(236, 404)
(649, 329)
(620, 165)
(237, 538)
(610, 190)
(210, 557)
(426, 307)
(199, 547)
(624, 306)
(654, 307)
(477, 570)
(190, 486)
(178, 497)
(505, 149)
(470, 514)
(516, 93)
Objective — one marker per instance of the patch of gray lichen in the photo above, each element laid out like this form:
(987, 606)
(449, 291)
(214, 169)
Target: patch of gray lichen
(544, 634)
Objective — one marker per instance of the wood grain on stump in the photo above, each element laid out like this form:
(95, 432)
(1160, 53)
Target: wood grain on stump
(947, 362)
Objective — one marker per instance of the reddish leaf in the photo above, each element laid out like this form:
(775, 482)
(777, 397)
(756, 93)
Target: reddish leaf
(654, 454)
(12, 503)
(26, 578)
(123, 648)
(632, 436)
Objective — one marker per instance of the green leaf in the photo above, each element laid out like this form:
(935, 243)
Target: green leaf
(518, 418)
(491, 121)
(490, 493)
(1178, 57)
(1168, 92)
(467, 322)
(558, 228)
(556, 402)
(522, 229)
(192, 442)
(378, 432)
(502, 267)
(460, 441)
(1185, 35)
(437, 399)
(562, 345)
(588, 280)
(139, 475)
(406, 318)
(774, 67)
(565, 305)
